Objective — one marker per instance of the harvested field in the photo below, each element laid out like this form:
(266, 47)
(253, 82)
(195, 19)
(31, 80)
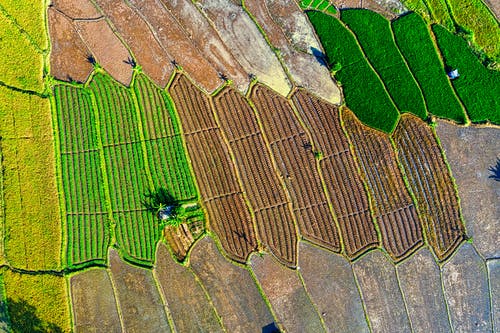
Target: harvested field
(77, 9)
(142, 309)
(494, 281)
(265, 192)
(340, 171)
(431, 183)
(68, 55)
(181, 238)
(286, 294)
(206, 39)
(238, 31)
(106, 48)
(215, 172)
(93, 302)
(383, 8)
(330, 282)
(176, 42)
(297, 166)
(393, 207)
(190, 307)
(148, 52)
(231, 288)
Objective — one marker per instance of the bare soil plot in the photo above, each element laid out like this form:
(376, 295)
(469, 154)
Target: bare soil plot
(431, 183)
(420, 282)
(471, 152)
(264, 189)
(494, 6)
(206, 39)
(384, 303)
(141, 307)
(368, 4)
(228, 214)
(297, 167)
(329, 280)
(77, 9)
(231, 288)
(243, 38)
(68, 55)
(177, 43)
(393, 207)
(189, 306)
(181, 238)
(93, 302)
(107, 49)
(340, 172)
(153, 59)
(465, 281)
(285, 292)
(494, 279)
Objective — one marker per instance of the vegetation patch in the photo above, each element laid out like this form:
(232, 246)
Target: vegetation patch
(374, 34)
(477, 86)
(321, 5)
(414, 41)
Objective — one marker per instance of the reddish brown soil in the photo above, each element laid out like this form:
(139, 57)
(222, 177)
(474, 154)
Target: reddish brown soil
(68, 57)
(393, 207)
(215, 173)
(340, 172)
(259, 10)
(430, 181)
(77, 9)
(264, 190)
(177, 43)
(297, 166)
(107, 49)
(153, 59)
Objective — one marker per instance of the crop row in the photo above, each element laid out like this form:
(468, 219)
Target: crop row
(431, 183)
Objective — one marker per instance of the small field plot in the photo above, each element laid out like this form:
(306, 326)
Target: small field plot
(340, 172)
(189, 305)
(37, 303)
(181, 238)
(394, 210)
(414, 41)
(297, 166)
(374, 34)
(231, 288)
(4, 314)
(265, 192)
(477, 87)
(93, 302)
(228, 213)
(431, 183)
(142, 309)
(286, 294)
(363, 91)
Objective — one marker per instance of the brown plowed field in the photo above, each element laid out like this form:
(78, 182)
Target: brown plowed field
(77, 9)
(204, 36)
(107, 49)
(393, 206)
(340, 172)
(154, 61)
(297, 165)
(179, 239)
(430, 181)
(265, 192)
(215, 173)
(68, 56)
(176, 42)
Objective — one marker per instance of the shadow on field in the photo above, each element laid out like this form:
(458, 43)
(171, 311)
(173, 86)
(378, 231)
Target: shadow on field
(495, 171)
(23, 318)
(320, 56)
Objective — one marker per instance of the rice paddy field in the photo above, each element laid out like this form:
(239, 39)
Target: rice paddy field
(210, 165)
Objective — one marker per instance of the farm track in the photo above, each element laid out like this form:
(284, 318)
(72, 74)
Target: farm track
(431, 182)
(215, 173)
(342, 180)
(297, 166)
(264, 190)
(393, 207)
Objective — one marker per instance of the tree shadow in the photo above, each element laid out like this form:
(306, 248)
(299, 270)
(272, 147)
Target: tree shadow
(320, 56)
(271, 328)
(23, 319)
(495, 171)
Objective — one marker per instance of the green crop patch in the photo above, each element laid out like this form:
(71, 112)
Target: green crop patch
(440, 14)
(320, 5)
(414, 41)
(364, 92)
(374, 34)
(477, 87)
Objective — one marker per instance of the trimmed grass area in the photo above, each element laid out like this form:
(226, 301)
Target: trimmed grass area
(363, 90)
(477, 87)
(414, 41)
(374, 34)
(440, 14)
